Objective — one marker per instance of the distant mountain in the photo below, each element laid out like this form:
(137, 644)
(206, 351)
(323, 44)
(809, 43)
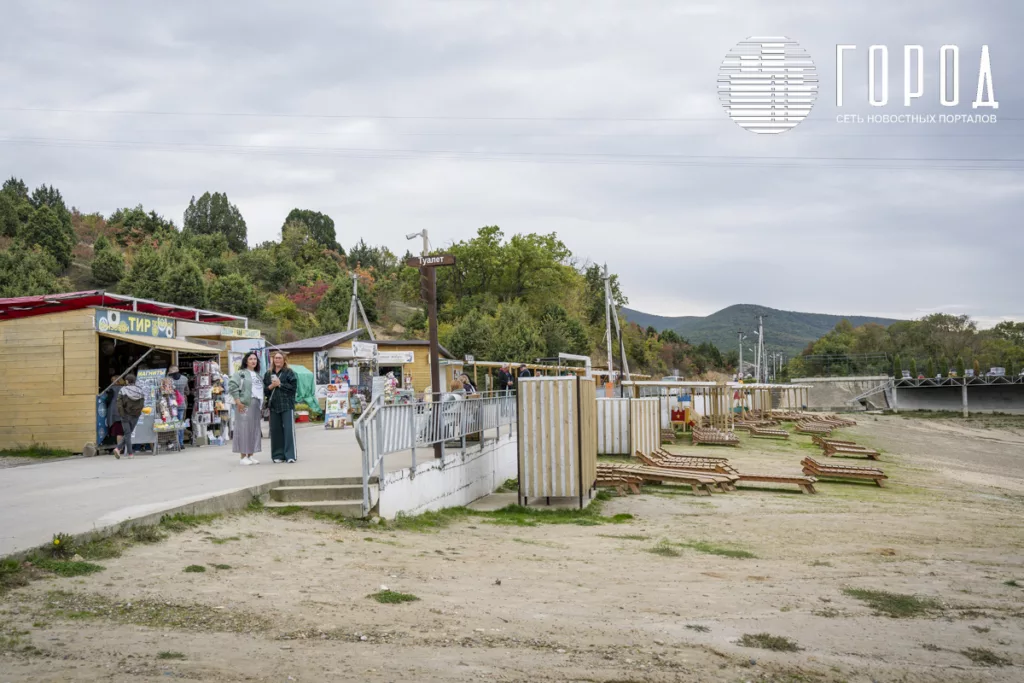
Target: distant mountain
(788, 330)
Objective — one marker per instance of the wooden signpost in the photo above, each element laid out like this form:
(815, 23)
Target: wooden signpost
(428, 288)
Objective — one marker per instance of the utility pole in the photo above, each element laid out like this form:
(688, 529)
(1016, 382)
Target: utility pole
(761, 360)
(355, 310)
(428, 288)
(608, 318)
(739, 372)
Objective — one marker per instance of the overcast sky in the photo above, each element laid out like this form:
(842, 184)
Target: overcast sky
(598, 120)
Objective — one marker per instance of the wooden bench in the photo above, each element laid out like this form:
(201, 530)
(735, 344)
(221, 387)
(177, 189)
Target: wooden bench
(722, 466)
(805, 483)
(815, 469)
(726, 480)
(833, 446)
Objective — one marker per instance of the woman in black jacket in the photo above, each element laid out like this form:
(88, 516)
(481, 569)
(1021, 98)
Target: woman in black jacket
(280, 384)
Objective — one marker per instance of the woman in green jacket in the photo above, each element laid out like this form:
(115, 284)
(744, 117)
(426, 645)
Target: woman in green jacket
(280, 384)
(246, 388)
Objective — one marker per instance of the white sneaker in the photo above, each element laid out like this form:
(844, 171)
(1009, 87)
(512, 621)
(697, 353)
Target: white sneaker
(244, 461)
(253, 461)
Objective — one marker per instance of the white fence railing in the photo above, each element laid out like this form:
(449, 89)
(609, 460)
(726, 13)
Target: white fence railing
(385, 429)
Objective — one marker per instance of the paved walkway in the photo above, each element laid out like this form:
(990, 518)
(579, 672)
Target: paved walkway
(76, 496)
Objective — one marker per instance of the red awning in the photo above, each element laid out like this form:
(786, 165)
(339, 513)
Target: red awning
(26, 306)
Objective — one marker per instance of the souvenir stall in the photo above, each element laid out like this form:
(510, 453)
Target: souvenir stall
(211, 411)
(73, 351)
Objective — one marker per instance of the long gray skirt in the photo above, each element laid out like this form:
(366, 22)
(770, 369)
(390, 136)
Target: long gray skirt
(248, 435)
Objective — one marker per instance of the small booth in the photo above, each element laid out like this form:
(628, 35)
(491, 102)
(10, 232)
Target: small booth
(64, 352)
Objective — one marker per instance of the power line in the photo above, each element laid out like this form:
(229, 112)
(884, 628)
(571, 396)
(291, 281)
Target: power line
(154, 112)
(591, 158)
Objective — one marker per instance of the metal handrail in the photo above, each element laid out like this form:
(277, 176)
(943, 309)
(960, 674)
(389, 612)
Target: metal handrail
(385, 429)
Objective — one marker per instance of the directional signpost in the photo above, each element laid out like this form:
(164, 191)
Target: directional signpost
(428, 288)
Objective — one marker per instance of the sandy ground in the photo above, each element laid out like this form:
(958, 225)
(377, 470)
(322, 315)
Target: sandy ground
(578, 603)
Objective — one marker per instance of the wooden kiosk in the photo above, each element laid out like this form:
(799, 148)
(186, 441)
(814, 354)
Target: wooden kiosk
(52, 348)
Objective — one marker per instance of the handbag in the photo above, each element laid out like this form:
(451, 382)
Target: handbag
(266, 407)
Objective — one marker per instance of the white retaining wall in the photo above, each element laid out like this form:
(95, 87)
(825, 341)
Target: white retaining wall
(458, 479)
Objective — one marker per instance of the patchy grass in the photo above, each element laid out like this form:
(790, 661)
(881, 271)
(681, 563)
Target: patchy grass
(721, 551)
(152, 613)
(508, 486)
(36, 451)
(827, 612)
(66, 567)
(1013, 583)
(146, 534)
(389, 597)
(665, 548)
(170, 655)
(821, 563)
(428, 521)
(931, 647)
(518, 515)
(255, 505)
(183, 522)
(627, 537)
(699, 628)
(13, 575)
(985, 657)
(221, 541)
(766, 641)
(221, 567)
(194, 569)
(287, 510)
(894, 605)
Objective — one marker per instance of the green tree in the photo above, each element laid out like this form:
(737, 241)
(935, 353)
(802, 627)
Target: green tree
(320, 225)
(472, 335)
(561, 333)
(28, 271)
(233, 293)
(108, 267)
(977, 368)
(930, 369)
(332, 312)
(132, 225)
(960, 368)
(943, 369)
(101, 244)
(50, 196)
(10, 222)
(15, 188)
(897, 368)
(516, 337)
(913, 367)
(46, 231)
(146, 275)
(1011, 367)
(183, 284)
(212, 214)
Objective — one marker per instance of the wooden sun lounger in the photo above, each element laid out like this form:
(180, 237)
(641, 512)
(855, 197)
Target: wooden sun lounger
(668, 436)
(726, 481)
(769, 432)
(722, 466)
(701, 484)
(665, 454)
(621, 482)
(842, 449)
(815, 469)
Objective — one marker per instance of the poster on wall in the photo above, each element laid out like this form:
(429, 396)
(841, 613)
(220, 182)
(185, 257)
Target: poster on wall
(321, 371)
(336, 406)
(235, 362)
(134, 324)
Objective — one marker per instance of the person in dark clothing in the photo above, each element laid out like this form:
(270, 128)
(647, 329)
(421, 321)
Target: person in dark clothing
(524, 371)
(130, 402)
(280, 384)
(504, 379)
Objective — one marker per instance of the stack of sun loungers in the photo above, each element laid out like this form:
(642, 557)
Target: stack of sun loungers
(813, 468)
(813, 426)
(714, 436)
(703, 474)
(769, 432)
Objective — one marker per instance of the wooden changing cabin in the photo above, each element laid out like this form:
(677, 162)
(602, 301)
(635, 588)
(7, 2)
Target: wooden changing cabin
(59, 352)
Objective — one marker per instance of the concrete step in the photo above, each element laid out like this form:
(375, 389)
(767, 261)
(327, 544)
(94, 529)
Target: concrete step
(310, 494)
(346, 508)
(328, 481)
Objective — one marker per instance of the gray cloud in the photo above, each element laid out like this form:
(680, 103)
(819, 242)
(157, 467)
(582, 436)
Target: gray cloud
(687, 235)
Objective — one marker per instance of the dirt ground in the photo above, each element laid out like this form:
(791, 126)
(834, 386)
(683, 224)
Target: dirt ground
(565, 602)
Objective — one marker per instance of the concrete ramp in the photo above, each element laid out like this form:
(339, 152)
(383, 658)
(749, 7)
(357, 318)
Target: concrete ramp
(847, 393)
